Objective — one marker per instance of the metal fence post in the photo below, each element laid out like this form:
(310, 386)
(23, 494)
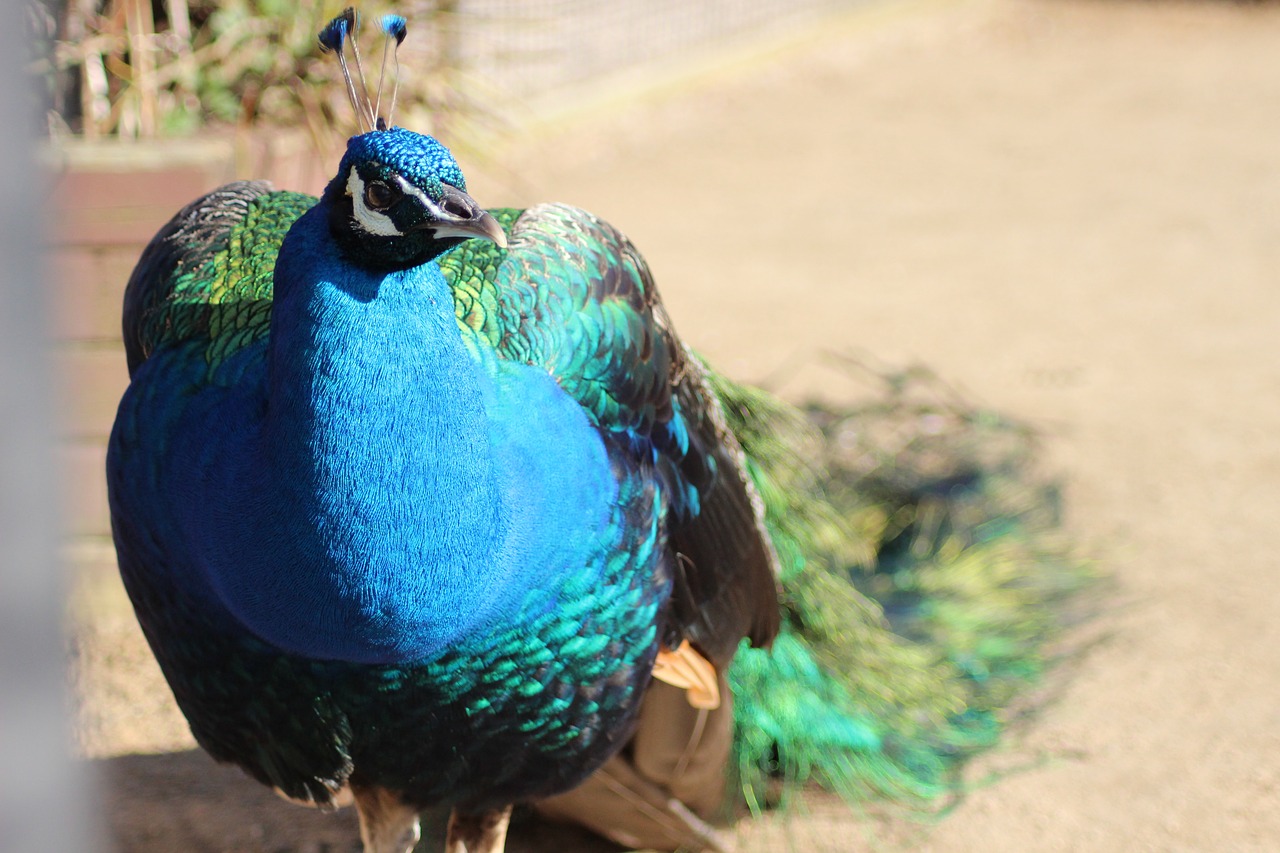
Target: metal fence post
(43, 795)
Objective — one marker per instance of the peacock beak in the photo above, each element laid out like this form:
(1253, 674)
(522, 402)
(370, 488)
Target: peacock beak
(459, 215)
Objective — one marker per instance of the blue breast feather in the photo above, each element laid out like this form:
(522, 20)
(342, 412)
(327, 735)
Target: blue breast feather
(395, 492)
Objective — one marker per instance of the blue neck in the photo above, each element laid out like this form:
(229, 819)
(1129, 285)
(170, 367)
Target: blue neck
(380, 507)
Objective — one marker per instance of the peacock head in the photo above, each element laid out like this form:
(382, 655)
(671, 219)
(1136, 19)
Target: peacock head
(399, 198)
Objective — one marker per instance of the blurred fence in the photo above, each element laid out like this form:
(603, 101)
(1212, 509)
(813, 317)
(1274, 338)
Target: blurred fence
(102, 220)
(531, 47)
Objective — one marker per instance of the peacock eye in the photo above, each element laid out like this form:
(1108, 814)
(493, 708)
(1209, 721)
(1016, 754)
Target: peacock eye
(379, 196)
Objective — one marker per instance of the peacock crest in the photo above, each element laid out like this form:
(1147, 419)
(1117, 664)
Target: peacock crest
(399, 198)
(335, 37)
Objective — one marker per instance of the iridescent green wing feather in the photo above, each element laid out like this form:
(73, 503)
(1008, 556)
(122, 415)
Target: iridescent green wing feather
(207, 275)
(572, 295)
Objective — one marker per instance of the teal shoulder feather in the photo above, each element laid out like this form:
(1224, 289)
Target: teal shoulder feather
(572, 295)
(207, 275)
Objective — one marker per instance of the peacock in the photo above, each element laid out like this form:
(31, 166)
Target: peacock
(426, 505)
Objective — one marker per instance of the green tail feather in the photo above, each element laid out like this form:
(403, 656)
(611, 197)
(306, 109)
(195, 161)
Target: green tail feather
(922, 581)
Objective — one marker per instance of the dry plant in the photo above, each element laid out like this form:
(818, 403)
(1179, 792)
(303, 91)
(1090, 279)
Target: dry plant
(143, 69)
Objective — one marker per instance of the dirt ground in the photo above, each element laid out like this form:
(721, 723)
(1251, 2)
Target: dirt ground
(1069, 208)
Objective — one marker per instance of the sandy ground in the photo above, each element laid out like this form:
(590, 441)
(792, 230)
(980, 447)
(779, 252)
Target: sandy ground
(1072, 210)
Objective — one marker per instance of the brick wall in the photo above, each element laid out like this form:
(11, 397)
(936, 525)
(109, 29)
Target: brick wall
(102, 220)
(104, 213)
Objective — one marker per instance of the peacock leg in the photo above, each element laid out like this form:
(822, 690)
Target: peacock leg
(482, 832)
(386, 824)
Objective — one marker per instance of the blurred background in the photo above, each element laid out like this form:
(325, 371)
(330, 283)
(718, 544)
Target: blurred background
(1068, 209)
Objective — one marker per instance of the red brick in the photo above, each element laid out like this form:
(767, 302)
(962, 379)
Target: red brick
(110, 208)
(92, 380)
(115, 265)
(89, 291)
(85, 488)
(72, 272)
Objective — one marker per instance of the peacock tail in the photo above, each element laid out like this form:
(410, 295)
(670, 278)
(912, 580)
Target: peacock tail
(924, 580)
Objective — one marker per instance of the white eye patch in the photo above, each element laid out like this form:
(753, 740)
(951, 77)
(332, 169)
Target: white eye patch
(372, 221)
(409, 189)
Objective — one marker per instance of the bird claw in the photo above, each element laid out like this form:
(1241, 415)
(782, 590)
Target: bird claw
(482, 832)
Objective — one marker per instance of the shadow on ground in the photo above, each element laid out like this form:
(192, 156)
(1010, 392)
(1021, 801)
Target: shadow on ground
(184, 801)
